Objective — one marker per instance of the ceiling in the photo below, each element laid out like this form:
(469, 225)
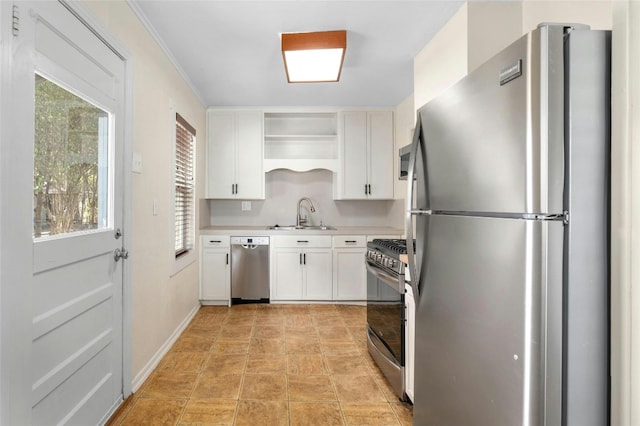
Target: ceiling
(229, 51)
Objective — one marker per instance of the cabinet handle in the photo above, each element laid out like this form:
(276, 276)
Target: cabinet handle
(215, 241)
(304, 259)
(233, 188)
(303, 241)
(369, 188)
(236, 188)
(300, 258)
(349, 241)
(365, 189)
(227, 258)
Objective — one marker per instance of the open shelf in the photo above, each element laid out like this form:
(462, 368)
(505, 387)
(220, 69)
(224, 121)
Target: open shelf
(300, 140)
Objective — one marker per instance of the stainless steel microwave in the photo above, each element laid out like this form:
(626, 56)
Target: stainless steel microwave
(403, 162)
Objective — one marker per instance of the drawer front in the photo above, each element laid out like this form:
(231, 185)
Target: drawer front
(301, 241)
(342, 241)
(209, 241)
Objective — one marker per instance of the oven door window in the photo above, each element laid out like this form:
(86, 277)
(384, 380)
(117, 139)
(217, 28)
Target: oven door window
(385, 312)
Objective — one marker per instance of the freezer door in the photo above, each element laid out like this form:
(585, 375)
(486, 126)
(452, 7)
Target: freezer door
(494, 141)
(486, 354)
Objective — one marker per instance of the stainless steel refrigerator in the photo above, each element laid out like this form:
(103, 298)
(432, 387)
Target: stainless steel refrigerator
(509, 206)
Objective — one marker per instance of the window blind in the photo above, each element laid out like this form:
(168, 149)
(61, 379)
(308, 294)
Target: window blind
(184, 186)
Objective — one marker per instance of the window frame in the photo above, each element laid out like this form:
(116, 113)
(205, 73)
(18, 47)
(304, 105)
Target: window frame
(188, 256)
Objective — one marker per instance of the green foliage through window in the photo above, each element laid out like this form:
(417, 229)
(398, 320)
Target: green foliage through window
(70, 183)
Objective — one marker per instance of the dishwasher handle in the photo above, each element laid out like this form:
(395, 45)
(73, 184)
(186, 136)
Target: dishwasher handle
(249, 246)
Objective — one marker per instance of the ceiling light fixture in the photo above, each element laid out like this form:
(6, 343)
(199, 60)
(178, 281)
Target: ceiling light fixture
(313, 57)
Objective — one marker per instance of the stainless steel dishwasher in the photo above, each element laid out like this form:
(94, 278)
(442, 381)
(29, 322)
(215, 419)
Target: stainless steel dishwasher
(249, 270)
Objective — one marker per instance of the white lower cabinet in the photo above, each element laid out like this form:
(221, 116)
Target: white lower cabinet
(301, 268)
(316, 280)
(215, 271)
(349, 272)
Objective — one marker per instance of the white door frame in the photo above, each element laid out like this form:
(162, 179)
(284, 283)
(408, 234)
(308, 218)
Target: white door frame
(15, 383)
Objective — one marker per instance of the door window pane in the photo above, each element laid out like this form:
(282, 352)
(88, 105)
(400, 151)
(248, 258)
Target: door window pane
(70, 170)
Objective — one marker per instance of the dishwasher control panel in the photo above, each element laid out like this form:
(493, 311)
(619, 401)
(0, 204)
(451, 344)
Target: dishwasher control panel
(250, 241)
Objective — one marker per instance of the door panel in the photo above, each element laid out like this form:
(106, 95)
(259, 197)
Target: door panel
(71, 45)
(479, 334)
(317, 274)
(74, 292)
(349, 274)
(287, 274)
(250, 177)
(380, 150)
(84, 395)
(484, 145)
(354, 166)
(221, 154)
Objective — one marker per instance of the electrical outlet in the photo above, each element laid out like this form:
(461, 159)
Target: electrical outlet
(246, 206)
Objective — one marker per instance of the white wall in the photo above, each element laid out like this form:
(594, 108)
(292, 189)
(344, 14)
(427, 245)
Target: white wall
(443, 61)
(283, 190)
(160, 302)
(481, 29)
(491, 27)
(625, 221)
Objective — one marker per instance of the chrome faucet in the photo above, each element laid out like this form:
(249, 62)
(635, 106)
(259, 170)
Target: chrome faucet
(301, 221)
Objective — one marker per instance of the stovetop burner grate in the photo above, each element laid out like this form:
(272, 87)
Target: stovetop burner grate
(393, 245)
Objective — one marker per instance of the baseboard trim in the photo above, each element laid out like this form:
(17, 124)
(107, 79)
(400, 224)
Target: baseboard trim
(139, 379)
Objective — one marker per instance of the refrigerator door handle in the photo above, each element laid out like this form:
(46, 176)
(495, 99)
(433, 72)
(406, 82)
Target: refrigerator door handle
(418, 212)
(415, 278)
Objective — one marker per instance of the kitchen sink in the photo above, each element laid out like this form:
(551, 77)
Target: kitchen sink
(301, 228)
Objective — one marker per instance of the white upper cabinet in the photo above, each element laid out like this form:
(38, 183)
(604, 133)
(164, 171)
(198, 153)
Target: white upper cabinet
(235, 155)
(367, 156)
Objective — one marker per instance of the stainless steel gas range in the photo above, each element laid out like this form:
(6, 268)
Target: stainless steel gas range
(386, 309)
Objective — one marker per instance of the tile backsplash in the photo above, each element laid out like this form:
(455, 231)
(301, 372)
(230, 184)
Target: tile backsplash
(283, 190)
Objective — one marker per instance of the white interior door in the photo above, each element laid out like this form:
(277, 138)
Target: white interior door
(68, 89)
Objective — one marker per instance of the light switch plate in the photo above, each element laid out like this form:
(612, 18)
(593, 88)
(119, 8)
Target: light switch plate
(136, 164)
(246, 206)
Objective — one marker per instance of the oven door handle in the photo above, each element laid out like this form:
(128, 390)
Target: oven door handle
(388, 279)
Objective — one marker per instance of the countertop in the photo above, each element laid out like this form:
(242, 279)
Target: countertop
(262, 230)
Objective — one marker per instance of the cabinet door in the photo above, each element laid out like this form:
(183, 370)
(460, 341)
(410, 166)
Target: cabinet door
(318, 276)
(286, 283)
(380, 154)
(250, 173)
(221, 156)
(215, 276)
(354, 161)
(349, 274)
